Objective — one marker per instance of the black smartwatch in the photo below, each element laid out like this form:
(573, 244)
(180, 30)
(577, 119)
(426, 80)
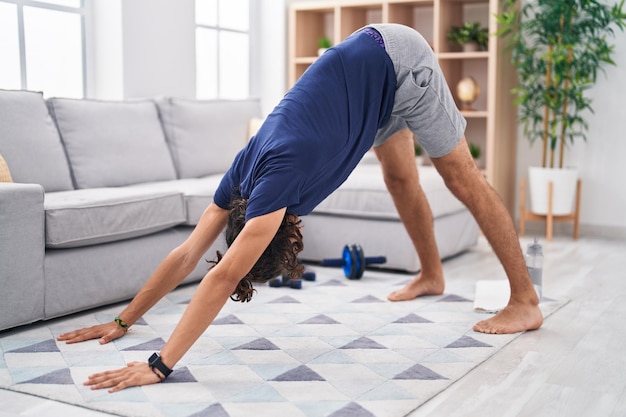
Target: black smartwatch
(155, 362)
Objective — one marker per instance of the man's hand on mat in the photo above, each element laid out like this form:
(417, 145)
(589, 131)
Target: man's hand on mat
(135, 374)
(106, 332)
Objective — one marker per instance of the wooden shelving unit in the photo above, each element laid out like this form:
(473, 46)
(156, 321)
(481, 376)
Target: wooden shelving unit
(492, 125)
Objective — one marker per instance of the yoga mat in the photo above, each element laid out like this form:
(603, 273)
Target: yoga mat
(336, 348)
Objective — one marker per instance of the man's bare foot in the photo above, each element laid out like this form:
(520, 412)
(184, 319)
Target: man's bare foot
(419, 286)
(512, 319)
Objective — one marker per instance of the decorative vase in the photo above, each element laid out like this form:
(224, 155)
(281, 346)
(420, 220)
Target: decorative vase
(563, 189)
(320, 51)
(467, 91)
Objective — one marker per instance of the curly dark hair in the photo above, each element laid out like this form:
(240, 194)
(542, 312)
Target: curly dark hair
(279, 258)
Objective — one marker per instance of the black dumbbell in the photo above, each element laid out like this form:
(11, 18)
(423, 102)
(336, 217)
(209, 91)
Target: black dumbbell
(353, 261)
(296, 284)
(308, 276)
(285, 281)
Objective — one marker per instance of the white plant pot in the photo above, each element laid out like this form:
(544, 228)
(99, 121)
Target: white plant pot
(563, 189)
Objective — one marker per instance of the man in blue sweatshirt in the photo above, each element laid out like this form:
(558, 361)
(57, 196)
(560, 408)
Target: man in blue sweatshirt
(379, 88)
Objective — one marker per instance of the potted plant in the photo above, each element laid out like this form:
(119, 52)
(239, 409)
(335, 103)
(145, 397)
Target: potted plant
(470, 36)
(558, 47)
(323, 44)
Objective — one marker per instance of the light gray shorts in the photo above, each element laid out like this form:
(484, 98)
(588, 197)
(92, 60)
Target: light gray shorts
(423, 101)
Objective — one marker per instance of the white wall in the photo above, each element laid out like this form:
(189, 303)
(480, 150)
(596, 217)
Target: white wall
(142, 48)
(105, 64)
(269, 48)
(146, 48)
(159, 48)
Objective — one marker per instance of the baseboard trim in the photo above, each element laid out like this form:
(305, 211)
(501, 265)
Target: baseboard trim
(586, 230)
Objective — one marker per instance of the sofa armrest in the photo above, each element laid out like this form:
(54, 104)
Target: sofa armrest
(22, 248)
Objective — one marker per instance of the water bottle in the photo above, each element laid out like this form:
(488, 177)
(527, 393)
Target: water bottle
(534, 263)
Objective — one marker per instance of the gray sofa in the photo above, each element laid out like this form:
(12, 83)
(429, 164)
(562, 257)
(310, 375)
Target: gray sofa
(101, 191)
(362, 211)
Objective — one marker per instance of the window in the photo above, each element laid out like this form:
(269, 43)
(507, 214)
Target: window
(222, 49)
(42, 46)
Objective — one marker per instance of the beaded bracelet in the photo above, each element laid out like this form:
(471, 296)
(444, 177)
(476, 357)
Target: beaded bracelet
(122, 324)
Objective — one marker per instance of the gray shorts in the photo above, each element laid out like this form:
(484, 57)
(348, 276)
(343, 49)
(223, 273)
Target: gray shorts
(423, 101)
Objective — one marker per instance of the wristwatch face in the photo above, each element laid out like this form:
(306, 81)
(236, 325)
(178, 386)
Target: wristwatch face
(155, 362)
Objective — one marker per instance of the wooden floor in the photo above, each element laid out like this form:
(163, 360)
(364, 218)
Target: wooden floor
(574, 366)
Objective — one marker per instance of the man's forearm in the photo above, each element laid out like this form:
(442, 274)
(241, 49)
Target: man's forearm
(209, 299)
(178, 264)
(169, 274)
(219, 284)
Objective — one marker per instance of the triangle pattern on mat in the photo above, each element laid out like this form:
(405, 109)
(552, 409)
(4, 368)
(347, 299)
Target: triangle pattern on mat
(420, 372)
(140, 322)
(467, 342)
(262, 393)
(367, 299)
(285, 300)
(214, 410)
(258, 344)
(320, 319)
(412, 318)
(154, 344)
(230, 319)
(181, 375)
(45, 346)
(446, 356)
(301, 373)
(363, 343)
(334, 357)
(352, 410)
(225, 357)
(452, 298)
(58, 377)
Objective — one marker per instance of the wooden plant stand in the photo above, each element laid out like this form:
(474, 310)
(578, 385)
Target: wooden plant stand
(549, 218)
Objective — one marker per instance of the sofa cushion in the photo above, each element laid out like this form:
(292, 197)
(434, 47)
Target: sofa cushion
(30, 143)
(365, 195)
(205, 136)
(198, 193)
(99, 215)
(111, 143)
